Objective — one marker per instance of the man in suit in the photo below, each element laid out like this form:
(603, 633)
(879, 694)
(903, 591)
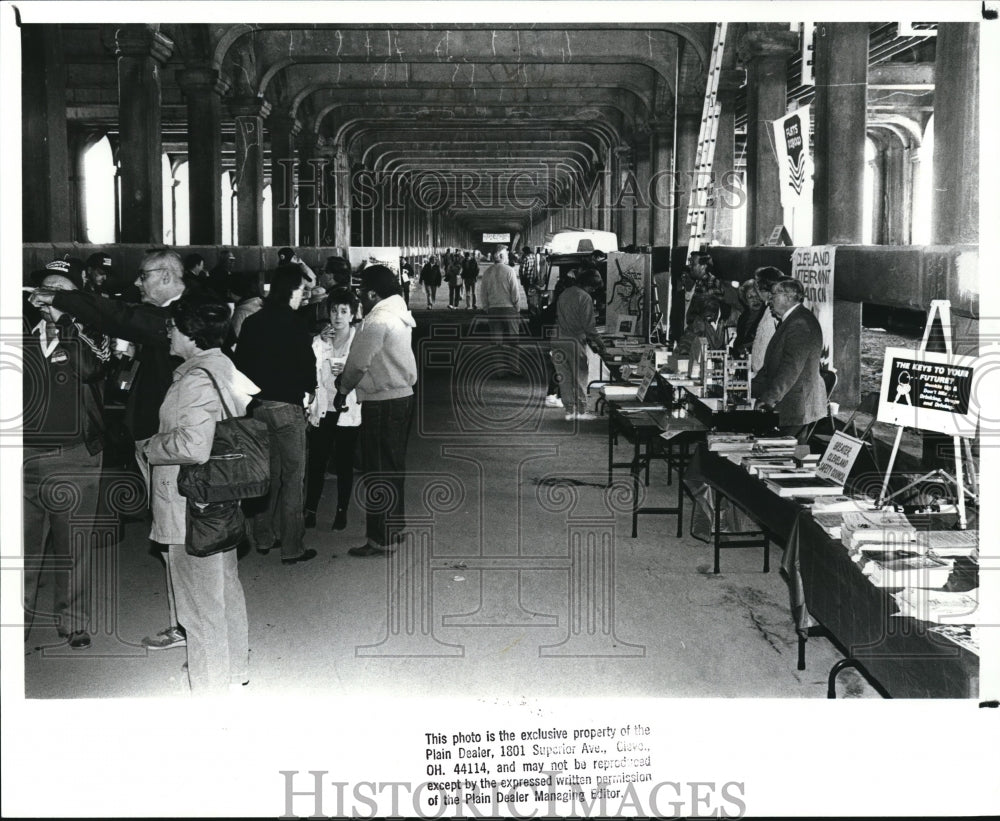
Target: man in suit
(790, 382)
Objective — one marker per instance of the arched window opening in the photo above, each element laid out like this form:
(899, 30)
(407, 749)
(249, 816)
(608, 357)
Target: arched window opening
(229, 232)
(99, 179)
(182, 194)
(268, 226)
(869, 192)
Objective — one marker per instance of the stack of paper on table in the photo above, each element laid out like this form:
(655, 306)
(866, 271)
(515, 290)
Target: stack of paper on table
(950, 543)
(875, 527)
(912, 571)
(939, 606)
(729, 442)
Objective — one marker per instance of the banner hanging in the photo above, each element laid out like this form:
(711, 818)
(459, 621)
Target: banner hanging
(795, 167)
(813, 267)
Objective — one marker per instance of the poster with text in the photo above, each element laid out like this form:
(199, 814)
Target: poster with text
(628, 294)
(928, 391)
(795, 167)
(813, 267)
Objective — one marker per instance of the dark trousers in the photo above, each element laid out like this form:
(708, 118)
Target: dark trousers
(321, 441)
(385, 429)
(454, 293)
(60, 499)
(282, 516)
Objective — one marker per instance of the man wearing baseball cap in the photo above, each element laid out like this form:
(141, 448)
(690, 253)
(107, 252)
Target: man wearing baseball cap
(63, 430)
(97, 274)
(160, 281)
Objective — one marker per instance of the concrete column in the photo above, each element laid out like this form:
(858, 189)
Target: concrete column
(203, 89)
(310, 190)
(643, 172)
(688, 129)
(955, 208)
(45, 215)
(249, 115)
(719, 223)
(840, 111)
(142, 52)
(839, 134)
(765, 53)
(624, 200)
(283, 130)
(661, 187)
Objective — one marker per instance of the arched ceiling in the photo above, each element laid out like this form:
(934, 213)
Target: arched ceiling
(479, 99)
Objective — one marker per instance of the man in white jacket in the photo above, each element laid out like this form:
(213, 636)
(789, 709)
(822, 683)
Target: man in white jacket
(383, 370)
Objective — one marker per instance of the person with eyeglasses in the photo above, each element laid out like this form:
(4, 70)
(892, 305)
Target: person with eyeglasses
(765, 279)
(160, 281)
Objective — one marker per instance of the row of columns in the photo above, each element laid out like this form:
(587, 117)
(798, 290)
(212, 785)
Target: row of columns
(53, 210)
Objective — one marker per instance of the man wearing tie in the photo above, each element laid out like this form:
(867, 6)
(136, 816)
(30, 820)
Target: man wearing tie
(789, 381)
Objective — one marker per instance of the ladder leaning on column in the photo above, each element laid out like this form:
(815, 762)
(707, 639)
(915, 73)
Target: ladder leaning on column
(704, 159)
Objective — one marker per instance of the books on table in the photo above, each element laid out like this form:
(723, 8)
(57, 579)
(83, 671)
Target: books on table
(878, 529)
(842, 504)
(803, 485)
(728, 442)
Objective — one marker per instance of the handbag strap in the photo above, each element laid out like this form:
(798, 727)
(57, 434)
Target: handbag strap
(215, 384)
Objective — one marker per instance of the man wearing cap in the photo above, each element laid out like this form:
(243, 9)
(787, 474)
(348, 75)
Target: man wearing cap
(218, 277)
(160, 281)
(383, 370)
(97, 274)
(64, 364)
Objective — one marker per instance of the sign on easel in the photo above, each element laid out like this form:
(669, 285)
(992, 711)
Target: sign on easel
(930, 391)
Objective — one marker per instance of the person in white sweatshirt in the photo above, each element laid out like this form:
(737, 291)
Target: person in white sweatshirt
(382, 369)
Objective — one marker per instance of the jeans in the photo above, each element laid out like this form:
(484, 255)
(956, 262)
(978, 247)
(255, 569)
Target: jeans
(282, 517)
(454, 293)
(52, 479)
(470, 293)
(341, 440)
(571, 372)
(212, 610)
(385, 429)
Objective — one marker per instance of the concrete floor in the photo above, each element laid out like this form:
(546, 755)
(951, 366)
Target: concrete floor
(483, 598)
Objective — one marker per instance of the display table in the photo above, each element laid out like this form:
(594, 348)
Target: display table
(770, 512)
(900, 653)
(643, 430)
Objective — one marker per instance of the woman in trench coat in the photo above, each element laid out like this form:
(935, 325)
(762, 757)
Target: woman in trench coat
(210, 602)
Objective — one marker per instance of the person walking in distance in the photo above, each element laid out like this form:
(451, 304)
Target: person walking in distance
(383, 370)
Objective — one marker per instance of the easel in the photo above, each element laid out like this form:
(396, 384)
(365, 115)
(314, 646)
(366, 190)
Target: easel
(942, 308)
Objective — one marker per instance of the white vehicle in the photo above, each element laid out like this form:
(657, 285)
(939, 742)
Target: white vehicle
(581, 241)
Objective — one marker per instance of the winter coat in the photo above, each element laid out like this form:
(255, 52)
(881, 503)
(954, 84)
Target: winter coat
(188, 415)
(381, 364)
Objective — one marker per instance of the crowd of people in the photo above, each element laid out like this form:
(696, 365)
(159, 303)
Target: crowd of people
(319, 378)
(325, 361)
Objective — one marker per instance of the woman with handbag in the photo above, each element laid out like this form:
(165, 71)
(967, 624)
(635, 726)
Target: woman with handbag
(331, 429)
(206, 389)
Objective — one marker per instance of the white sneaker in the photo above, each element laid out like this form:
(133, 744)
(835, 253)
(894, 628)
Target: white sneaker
(586, 417)
(570, 417)
(553, 401)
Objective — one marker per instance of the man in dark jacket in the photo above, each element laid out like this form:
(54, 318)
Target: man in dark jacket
(64, 363)
(790, 381)
(160, 282)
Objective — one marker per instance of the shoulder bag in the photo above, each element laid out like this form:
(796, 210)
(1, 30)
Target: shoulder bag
(239, 467)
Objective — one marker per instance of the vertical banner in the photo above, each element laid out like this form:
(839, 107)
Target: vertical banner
(813, 267)
(795, 167)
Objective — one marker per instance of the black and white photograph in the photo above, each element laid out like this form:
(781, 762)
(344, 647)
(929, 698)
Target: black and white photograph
(414, 409)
